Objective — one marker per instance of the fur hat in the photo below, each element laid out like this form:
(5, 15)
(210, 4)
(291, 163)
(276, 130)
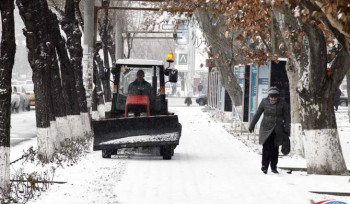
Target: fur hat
(273, 91)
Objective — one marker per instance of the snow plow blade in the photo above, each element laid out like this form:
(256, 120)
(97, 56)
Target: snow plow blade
(152, 131)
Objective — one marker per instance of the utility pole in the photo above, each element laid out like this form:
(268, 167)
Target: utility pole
(192, 59)
(88, 48)
(119, 41)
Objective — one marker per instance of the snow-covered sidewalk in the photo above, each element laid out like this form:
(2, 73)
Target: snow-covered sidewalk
(209, 166)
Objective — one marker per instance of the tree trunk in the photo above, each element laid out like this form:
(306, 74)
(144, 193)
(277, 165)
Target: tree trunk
(297, 135)
(71, 28)
(111, 46)
(36, 32)
(219, 43)
(106, 82)
(7, 58)
(78, 14)
(98, 108)
(68, 87)
(316, 89)
(322, 147)
(348, 88)
(63, 100)
(130, 41)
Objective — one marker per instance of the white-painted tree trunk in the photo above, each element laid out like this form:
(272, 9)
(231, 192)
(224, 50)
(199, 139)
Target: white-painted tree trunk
(4, 167)
(63, 130)
(297, 140)
(101, 109)
(86, 123)
(45, 143)
(108, 106)
(100, 113)
(54, 136)
(76, 126)
(296, 132)
(95, 115)
(323, 152)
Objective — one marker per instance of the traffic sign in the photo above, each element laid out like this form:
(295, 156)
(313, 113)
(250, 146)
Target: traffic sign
(183, 59)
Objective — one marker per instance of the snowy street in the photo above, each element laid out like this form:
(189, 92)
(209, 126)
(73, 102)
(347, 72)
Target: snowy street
(23, 127)
(209, 166)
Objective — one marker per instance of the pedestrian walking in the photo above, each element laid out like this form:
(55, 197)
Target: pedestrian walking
(188, 101)
(336, 100)
(274, 127)
(200, 88)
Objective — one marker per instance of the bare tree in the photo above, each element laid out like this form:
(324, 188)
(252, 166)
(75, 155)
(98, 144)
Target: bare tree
(221, 50)
(7, 57)
(316, 87)
(38, 44)
(71, 27)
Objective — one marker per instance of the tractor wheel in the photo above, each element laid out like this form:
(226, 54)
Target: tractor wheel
(28, 107)
(106, 153)
(172, 151)
(161, 151)
(167, 153)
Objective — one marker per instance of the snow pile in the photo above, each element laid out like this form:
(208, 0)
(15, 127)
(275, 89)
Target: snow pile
(167, 137)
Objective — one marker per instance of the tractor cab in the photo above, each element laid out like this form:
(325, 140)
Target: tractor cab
(155, 74)
(155, 127)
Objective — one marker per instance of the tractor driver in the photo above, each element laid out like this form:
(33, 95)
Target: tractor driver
(140, 86)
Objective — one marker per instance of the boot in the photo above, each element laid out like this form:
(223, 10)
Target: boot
(264, 169)
(274, 171)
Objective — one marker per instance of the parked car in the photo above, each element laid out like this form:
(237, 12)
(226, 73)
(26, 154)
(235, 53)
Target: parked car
(202, 100)
(20, 99)
(343, 101)
(30, 91)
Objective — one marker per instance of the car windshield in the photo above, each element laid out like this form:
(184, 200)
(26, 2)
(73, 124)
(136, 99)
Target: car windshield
(29, 88)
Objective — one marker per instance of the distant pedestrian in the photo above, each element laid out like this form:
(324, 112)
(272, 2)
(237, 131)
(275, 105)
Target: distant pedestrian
(274, 127)
(200, 88)
(336, 100)
(188, 101)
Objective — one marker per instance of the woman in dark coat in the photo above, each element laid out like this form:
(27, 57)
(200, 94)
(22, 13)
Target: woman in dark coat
(274, 126)
(337, 95)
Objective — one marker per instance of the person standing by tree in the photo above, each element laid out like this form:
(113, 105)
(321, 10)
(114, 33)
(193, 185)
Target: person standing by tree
(274, 126)
(337, 95)
(200, 88)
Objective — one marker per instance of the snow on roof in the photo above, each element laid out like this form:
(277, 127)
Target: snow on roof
(140, 62)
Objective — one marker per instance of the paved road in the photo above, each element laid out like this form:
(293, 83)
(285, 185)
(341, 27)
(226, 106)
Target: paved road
(209, 166)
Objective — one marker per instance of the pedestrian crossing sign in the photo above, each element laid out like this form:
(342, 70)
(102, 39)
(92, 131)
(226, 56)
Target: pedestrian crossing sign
(183, 59)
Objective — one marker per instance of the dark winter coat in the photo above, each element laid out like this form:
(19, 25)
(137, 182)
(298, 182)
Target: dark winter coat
(140, 88)
(337, 95)
(188, 100)
(276, 117)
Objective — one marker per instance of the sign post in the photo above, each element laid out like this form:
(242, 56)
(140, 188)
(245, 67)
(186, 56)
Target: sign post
(253, 91)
